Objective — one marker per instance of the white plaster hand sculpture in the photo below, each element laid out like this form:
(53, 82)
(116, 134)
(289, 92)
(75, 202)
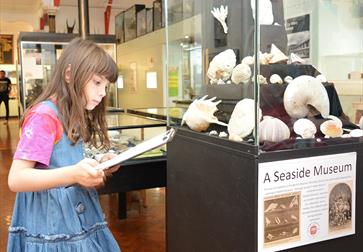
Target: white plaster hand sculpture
(221, 14)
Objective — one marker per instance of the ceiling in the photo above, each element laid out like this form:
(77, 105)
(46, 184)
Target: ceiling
(33, 5)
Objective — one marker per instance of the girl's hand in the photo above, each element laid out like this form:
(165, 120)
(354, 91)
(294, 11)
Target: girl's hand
(87, 176)
(109, 171)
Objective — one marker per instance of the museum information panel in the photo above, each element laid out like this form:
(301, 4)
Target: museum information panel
(305, 200)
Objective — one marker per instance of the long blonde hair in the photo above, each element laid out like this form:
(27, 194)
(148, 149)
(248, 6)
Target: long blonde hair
(85, 59)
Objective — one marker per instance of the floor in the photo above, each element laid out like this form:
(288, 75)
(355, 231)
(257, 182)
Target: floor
(143, 230)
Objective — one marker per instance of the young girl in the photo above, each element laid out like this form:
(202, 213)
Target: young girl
(57, 207)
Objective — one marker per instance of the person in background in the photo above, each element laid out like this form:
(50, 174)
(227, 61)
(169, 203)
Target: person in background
(57, 206)
(5, 88)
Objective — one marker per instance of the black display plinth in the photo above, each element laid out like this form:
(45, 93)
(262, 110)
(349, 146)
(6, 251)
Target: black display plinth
(212, 197)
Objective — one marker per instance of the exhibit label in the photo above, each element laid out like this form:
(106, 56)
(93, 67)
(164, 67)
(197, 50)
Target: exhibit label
(305, 200)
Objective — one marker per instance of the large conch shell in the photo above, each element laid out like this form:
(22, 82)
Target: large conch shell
(273, 129)
(200, 112)
(305, 94)
(242, 121)
(221, 66)
(241, 73)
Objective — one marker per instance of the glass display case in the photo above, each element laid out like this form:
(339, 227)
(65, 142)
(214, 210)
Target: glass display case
(38, 55)
(296, 53)
(269, 153)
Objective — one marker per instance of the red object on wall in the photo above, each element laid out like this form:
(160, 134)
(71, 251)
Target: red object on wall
(56, 3)
(107, 14)
(41, 23)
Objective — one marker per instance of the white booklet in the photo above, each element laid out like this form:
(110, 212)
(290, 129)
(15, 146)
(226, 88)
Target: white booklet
(145, 146)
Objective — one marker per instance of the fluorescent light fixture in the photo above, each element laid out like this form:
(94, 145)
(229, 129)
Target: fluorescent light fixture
(120, 81)
(151, 80)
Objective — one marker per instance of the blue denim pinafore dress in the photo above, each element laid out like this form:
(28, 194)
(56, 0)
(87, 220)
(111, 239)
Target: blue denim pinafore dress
(60, 219)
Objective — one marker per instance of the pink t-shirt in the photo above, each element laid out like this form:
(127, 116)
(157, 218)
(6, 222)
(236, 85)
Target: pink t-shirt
(40, 131)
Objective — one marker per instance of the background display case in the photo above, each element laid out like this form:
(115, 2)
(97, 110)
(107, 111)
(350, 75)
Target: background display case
(38, 55)
(254, 192)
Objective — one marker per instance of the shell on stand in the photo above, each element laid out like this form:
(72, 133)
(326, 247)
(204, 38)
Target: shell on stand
(304, 95)
(305, 128)
(241, 73)
(221, 66)
(273, 130)
(200, 114)
(242, 121)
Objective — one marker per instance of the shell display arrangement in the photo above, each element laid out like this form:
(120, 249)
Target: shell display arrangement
(304, 98)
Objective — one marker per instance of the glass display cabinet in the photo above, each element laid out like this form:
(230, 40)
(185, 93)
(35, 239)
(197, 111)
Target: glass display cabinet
(38, 55)
(273, 162)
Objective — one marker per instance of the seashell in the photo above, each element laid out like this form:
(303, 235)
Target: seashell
(266, 16)
(241, 73)
(260, 79)
(304, 95)
(356, 133)
(288, 79)
(222, 134)
(277, 55)
(248, 60)
(360, 123)
(229, 82)
(213, 133)
(275, 79)
(295, 59)
(334, 118)
(331, 128)
(242, 121)
(200, 114)
(220, 82)
(221, 14)
(221, 66)
(273, 129)
(305, 128)
(321, 78)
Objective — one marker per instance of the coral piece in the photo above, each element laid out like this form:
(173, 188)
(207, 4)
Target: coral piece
(200, 114)
(221, 14)
(304, 95)
(266, 16)
(241, 73)
(221, 66)
(273, 130)
(242, 121)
